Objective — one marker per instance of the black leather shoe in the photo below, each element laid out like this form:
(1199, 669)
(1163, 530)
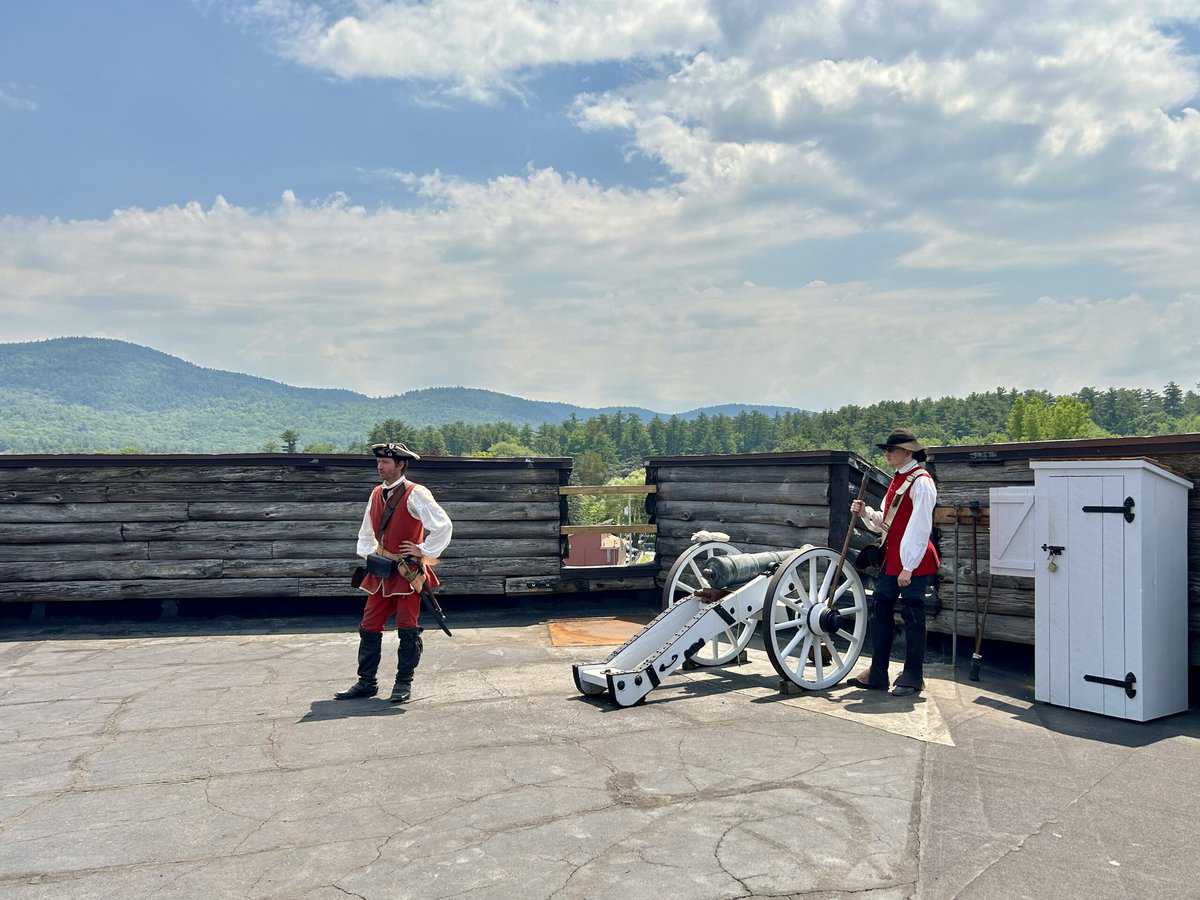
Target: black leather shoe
(401, 693)
(357, 690)
(866, 686)
(903, 690)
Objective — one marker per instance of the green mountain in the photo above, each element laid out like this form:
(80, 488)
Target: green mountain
(88, 394)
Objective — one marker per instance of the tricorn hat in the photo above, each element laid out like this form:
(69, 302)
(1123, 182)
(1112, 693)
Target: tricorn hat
(394, 450)
(905, 440)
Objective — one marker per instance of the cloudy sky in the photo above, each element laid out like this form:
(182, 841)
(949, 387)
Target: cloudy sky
(660, 202)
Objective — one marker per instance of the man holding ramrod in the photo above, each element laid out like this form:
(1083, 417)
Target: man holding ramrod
(909, 563)
(403, 533)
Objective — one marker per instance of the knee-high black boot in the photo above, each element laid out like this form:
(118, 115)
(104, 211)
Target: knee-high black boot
(407, 658)
(370, 647)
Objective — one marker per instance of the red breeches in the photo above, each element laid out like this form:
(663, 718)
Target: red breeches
(406, 609)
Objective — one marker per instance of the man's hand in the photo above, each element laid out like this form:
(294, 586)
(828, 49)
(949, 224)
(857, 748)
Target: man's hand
(905, 578)
(857, 507)
(408, 548)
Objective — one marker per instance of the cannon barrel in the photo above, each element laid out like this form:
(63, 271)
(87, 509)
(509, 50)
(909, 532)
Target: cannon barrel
(739, 568)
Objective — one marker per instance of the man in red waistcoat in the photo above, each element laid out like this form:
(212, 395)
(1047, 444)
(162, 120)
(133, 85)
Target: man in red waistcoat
(909, 563)
(402, 520)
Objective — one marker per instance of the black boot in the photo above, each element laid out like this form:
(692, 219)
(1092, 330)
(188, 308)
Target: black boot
(407, 659)
(370, 646)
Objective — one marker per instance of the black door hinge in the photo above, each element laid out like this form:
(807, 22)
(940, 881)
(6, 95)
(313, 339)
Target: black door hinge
(1128, 683)
(1125, 510)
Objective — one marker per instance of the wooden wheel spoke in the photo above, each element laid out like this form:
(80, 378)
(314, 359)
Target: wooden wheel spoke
(788, 623)
(699, 575)
(844, 634)
(837, 657)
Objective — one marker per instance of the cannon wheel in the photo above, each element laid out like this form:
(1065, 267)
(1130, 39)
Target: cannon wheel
(805, 645)
(685, 579)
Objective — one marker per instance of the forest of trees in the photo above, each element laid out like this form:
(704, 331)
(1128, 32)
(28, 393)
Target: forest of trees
(614, 445)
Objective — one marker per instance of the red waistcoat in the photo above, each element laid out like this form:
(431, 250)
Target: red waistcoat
(403, 526)
(891, 544)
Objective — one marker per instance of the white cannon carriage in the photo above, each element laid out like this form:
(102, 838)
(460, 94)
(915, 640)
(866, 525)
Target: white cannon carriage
(812, 630)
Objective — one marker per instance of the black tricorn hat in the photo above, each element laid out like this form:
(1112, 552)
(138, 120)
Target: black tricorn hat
(394, 450)
(905, 440)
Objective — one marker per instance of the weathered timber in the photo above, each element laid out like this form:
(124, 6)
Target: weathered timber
(818, 474)
(164, 589)
(1011, 472)
(43, 493)
(342, 567)
(781, 535)
(210, 549)
(1017, 629)
(86, 533)
(269, 531)
(566, 584)
(648, 528)
(104, 473)
(48, 552)
(285, 492)
(488, 548)
(110, 570)
(604, 490)
(352, 511)
(668, 550)
(49, 513)
(340, 587)
(815, 516)
(745, 492)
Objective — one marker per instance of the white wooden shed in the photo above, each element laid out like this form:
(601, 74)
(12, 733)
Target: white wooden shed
(1106, 544)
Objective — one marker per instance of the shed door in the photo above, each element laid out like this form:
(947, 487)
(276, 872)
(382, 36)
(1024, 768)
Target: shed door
(1087, 593)
(1011, 532)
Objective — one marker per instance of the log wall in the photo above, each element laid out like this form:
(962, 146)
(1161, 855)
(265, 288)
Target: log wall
(238, 526)
(763, 501)
(964, 474)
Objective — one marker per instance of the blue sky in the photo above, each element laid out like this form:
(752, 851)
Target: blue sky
(580, 201)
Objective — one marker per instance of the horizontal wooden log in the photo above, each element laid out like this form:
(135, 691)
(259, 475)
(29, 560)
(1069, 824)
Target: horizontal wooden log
(49, 513)
(39, 493)
(110, 570)
(1010, 472)
(609, 529)
(746, 492)
(669, 550)
(52, 552)
(85, 533)
(318, 493)
(785, 474)
(224, 474)
(352, 511)
(781, 535)
(267, 531)
(155, 589)
(569, 585)
(210, 549)
(340, 587)
(607, 490)
(1005, 601)
(339, 568)
(816, 516)
(487, 548)
(1015, 629)
(946, 516)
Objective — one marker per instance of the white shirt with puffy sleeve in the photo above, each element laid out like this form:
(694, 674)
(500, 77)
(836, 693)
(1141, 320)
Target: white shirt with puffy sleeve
(438, 527)
(915, 540)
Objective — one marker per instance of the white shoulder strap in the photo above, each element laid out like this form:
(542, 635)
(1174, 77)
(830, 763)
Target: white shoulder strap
(897, 497)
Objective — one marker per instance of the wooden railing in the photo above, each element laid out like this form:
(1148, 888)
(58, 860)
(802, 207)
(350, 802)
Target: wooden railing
(632, 490)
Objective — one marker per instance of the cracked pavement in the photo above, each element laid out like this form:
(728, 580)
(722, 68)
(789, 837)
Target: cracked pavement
(205, 759)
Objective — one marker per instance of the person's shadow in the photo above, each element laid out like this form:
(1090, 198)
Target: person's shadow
(323, 710)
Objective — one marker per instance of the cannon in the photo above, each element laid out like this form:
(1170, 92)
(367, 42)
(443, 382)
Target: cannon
(813, 617)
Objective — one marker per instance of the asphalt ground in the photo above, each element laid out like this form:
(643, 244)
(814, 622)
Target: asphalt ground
(206, 758)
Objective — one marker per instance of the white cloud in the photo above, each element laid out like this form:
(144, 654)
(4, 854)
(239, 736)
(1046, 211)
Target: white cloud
(1015, 184)
(10, 98)
(479, 49)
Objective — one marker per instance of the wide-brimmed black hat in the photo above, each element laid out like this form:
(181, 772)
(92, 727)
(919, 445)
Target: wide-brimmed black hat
(394, 450)
(905, 440)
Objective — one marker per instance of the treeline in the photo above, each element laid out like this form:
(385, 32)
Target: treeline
(619, 442)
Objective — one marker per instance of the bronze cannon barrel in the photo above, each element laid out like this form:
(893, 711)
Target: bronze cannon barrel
(738, 568)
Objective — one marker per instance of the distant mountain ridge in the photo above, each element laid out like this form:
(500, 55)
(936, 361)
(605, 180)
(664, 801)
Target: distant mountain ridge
(80, 394)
